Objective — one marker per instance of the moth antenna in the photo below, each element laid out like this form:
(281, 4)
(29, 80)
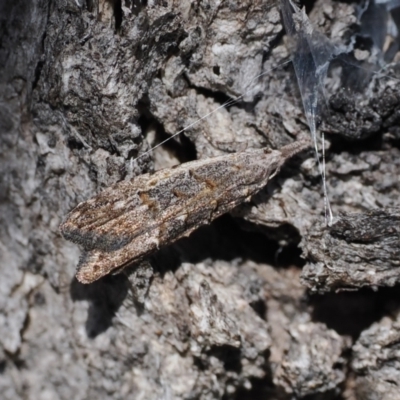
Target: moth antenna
(226, 104)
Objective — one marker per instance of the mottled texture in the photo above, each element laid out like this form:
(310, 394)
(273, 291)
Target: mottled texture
(357, 250)
(132, 219)
(313, 362)
(376, 361)
(86, 88)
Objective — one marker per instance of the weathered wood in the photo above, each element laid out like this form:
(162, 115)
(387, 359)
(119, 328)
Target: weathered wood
(88, 86)
(358, 250)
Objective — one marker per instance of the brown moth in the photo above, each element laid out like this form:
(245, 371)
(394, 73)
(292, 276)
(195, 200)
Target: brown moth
(132, 219)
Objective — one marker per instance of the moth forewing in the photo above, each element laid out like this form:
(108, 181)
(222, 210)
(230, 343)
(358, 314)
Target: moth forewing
(132, 219)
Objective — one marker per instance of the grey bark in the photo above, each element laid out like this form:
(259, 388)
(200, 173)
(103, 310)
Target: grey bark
(86, 88)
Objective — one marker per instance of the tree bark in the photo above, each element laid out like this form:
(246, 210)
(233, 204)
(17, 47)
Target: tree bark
(254, 305)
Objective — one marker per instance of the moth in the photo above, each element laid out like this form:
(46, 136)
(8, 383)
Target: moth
(132, 219)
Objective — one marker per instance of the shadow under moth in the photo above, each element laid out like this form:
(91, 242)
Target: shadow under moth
(131, 219)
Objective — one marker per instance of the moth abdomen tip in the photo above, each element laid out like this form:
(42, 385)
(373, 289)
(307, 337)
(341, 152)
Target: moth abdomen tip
(85, 278)
(92, 266)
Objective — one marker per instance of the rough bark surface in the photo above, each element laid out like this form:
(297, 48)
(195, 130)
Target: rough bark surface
(376, 357)
(88, 86)
(357, 250)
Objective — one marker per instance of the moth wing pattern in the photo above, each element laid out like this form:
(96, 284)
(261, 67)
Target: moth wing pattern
(132, 219)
